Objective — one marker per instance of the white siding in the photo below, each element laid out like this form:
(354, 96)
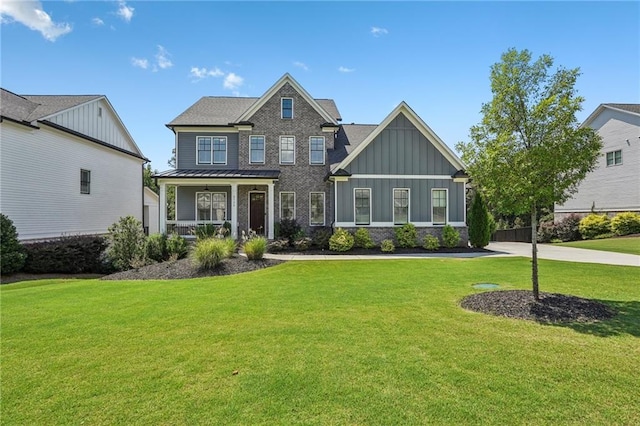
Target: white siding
(40, 183)
(85, 119)
(152, 211)
(613, 188)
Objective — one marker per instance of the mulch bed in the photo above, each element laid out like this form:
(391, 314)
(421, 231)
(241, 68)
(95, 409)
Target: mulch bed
(552, 307)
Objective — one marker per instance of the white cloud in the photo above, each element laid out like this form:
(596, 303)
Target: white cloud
(31, 14)
(301, 65)
(200, 73)
(345, 69)
(232, 81)
(140, 63)
(162, 58)
(377, 31)
(97, 21)
(124, 11)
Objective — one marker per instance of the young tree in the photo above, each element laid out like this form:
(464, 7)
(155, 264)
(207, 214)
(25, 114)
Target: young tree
(528, 150)
(148, 180)
(479, 222)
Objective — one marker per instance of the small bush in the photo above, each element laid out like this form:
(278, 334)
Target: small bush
(362, 239)
(450, 237)
(479, 223)
(156, 247)
(320, 238)
(278, 246)
(289, 229)
(604, 236)
(387, 246)
(210, 252)
(12, 256)
(626, 223)
(126, 243)
(176, 246)
(594, 225)
(341, 241)
(206, 230)
(406, 235)
(302, 244)
(255, 248)
(67, 255)
(568, 228)
(546, 232)
(431, 242)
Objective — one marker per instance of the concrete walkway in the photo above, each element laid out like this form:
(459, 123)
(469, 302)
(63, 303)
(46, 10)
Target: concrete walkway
(545, 251)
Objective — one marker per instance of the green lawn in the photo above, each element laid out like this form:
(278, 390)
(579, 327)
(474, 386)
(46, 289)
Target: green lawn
(630, 245)
(353, 342)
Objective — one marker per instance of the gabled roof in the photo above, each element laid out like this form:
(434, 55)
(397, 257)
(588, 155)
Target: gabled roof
(49, 105)
(349, 136)
(422, 127)
(633, 109)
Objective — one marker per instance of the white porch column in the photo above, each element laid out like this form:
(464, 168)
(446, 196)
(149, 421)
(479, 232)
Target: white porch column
(271, 210)
(234, 210)
(163, 208)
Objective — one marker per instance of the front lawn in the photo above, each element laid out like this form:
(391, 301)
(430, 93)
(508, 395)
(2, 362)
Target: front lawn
(630, 245)
(354, 342)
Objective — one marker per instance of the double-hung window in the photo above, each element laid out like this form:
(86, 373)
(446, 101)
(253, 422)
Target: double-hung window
(256, 148)
(286, 107)
(316, 150)
(614, 158)
(212, 149)
(85, 181)
(362, 203)
(400, 206)
(211, 206)
(287, 205)
(316, 209)
(439, 206)
(287, 150)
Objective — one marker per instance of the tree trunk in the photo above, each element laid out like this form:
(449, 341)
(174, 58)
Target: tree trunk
(534, 253)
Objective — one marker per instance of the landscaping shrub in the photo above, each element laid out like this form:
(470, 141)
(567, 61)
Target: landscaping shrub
(406, 235)
(156, 247)
(67, 255)
(277, 245)
(320, 237)
(479, 223)
(431, 242)
(362, 239)
(450, 237)
(341, 241)
(210, 252)
(12, 256)
(126, 243)
(387, 246)
(255, 248)
(289, 229)
(207, 230)
(231, 244)
(568, 228)
(594, 225)
(176, 246)
(302, 244)
(546, 232)
(626, 223)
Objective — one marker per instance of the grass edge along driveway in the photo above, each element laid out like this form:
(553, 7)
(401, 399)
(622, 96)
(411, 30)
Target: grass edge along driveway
(628, 245)
(359, 342)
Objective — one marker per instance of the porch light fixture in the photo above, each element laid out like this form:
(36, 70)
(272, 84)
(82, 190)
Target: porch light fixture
(206, 188)
(255, 188)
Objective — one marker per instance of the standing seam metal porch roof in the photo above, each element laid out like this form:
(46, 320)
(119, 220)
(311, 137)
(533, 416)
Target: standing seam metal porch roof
(219, 174)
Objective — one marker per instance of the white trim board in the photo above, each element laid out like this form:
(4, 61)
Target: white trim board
(414, 177)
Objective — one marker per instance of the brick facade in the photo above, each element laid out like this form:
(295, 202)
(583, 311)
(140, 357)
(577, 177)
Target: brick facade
(379, 234)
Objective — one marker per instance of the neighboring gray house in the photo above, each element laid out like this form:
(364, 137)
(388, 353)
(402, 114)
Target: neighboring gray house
(255, 161)
(614, 186)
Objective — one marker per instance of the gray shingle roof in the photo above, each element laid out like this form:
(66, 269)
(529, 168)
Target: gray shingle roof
(29, 108)
(227, 174)
(349, 137)
(15, 106)
(222, 110)
(635, 108)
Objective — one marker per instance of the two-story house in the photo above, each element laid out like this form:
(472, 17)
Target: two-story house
(255, 161)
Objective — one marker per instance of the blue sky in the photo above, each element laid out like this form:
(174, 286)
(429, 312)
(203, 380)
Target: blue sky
(154, 59)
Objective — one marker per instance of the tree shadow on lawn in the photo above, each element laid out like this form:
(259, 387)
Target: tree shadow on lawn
(626, 321)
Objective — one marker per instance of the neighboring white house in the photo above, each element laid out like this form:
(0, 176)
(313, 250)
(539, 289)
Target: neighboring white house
(151, 214)
(68, 165)
(614, 186)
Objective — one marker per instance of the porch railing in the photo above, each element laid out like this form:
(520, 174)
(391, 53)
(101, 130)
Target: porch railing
(186, 228)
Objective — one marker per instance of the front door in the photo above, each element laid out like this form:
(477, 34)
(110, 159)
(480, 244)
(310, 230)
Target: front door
(256, 212)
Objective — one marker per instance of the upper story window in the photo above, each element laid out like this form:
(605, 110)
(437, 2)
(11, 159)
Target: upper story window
(85, 181)
(287, 107)
(614, 158)
(316, 150)
(287, 149)
(212, 149)
(362, 203)
(211, 206)
(256, 149)
(400, 206)
(439, 206)
(287, 205)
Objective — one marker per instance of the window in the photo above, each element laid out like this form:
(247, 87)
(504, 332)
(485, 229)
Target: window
(439, 206)
(85, 181)
(614, 158)
(212, 148)
(363, 206)
(287, 150)
(256, 154)
(287, 205)
(400, 206)
(316, 209)
(316, 150)
(287, 107)
(211, 206)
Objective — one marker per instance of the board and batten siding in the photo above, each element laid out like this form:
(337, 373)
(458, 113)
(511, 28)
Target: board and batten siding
(611, 188)
(40, 183)
(97, 120)
(186, 200)
(187, 152)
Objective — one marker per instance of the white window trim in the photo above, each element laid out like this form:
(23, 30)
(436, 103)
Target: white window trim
(88, 182)
(294, 150)
(282, 108)
(446, 210)
(393, 206)
(294, 203)
(324, 206)
(226, 207)
(198, 149)
(226, 150)
(264, 149)
(606, 160)
(324, 149)
(354, 207)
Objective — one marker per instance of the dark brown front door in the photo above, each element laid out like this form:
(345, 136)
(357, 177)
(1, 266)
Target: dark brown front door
(256, 212)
